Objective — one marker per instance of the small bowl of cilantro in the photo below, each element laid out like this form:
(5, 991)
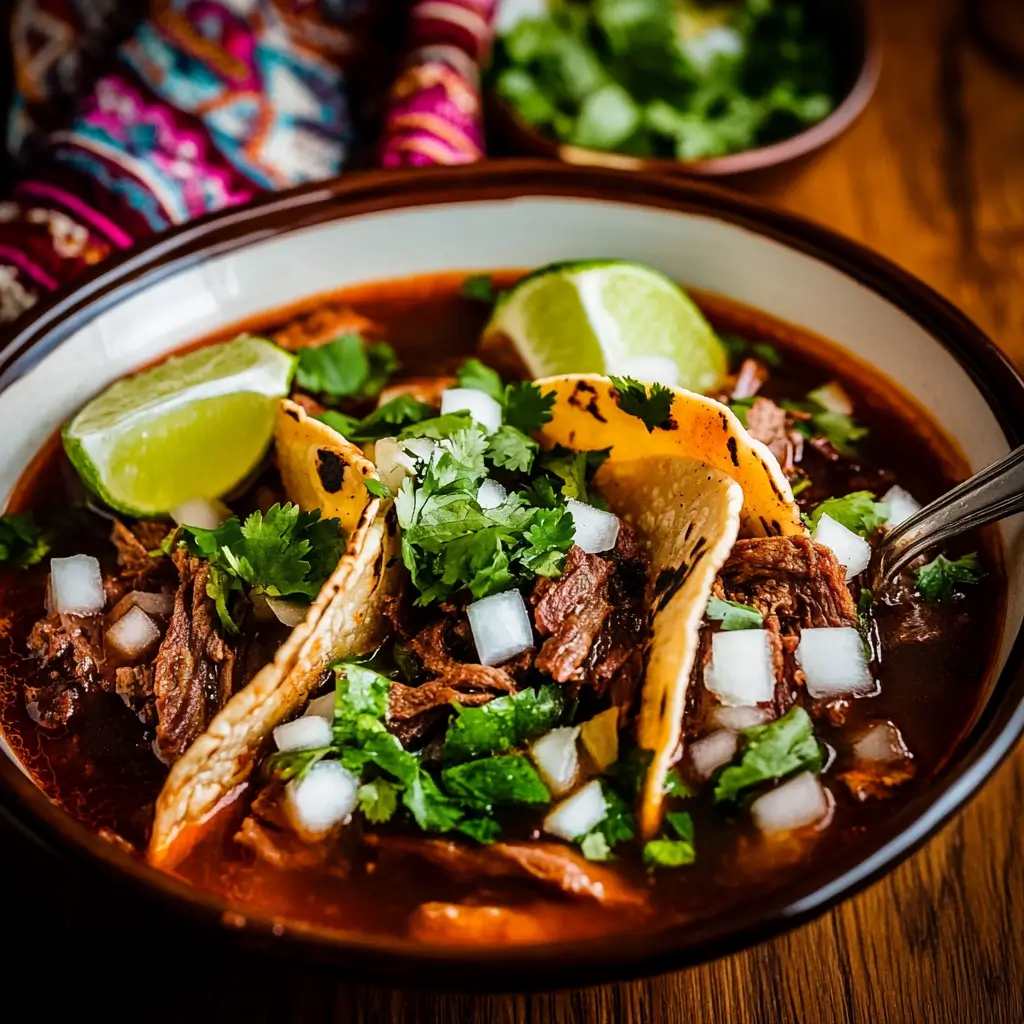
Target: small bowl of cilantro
(704, 86)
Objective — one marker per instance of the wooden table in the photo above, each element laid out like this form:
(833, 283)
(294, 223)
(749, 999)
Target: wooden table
(933, 176)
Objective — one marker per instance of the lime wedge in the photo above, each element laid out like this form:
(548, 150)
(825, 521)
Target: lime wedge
(193, 427)
(608, 316)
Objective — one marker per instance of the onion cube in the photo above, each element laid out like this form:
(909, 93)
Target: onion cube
(833, 397)
(322, 706)
(881, 743)
(653, 369)
(556, 756)
(133, 634)
(501, 627)
(420, 448)
(740, 670)
(491, 494)
(797, 803)
(833, 660)
(577, 815)
(392, 462)
(712, 751)
(203, 513)
(306, 733)
(743, 717)
(486, 412)
(596, 531)
(77, 585)
(324, 797)
(902, 505)
(852, 552)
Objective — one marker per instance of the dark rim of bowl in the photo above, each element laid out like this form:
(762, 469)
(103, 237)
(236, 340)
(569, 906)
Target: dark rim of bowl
(376, 958)
(759, 159)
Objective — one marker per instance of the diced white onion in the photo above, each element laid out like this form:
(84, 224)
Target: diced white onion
(743, 717)
(324, 797)
(289, 613)
(485, 410)
(133, 634)
(393, 464)
(77, 585)
(881, 743)
(902, 505)
(556, 756)
(203, 513)
(491, 494)
(740, 670)
(852, 552)
(719, 40)
(798, 802)
(501, 627)
(833, 660)
(596, 531)
(833, 397)
(420, 448)
(577, 815)
(653, 369)
(303, 733)
(322, 706)
(712, 751)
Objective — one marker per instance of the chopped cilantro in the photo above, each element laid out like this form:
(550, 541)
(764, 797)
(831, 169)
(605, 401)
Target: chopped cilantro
(378, 800)
(526, 408)
(672, 853)
(801, 485)
(941, 579)
(837, 428)
(483, 830)
(857, 511)
(503, 723)
(768, 354)
(474, 374)
(734, 615)
(594, 846)
(575, 470)
(285, 553)
(433, 810)
(509, 448)
(508, 780)
(740, 407)
(676, 785)
(438, 428)
(360, 702)
(346, 368)
(401, 412)
(22, 542)
(479, 288)
(654, 408)
(377, 488)
(618, 824)
(771, 751)
(293, 764)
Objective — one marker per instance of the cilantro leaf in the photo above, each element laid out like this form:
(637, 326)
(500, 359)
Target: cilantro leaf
(377, 488)
(618, 824)
(771, 751)
(474, 374)
(768, 354)
(526, 407)
(433, 810)
(378, 800)
(676, 785)
(740, 407)
(360, 699)
(574, 469)
(22, 542)
(672, 853)
(509, 448)
(438, 428)
(857, 511)
(401, 412)
(941, 579)
(345, 425)
(502, 724)
(734, 615)
(654, 408)
(346, 368)
(549, 538)
(839, 430)
(594, 846)
(483, 830)
(479, 288)
(294, 764)
(508, 780)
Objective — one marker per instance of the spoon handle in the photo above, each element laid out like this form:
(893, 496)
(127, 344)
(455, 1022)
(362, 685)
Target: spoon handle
(994, 493)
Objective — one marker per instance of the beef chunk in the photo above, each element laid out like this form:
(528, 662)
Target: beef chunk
(268, 833)
(194, 667)
(772, 426)
(595, 619)
(134, 685)
(51, 706)
(553, 865)
(791, 579)
(70, 646)
(749, 379)
(134, 545)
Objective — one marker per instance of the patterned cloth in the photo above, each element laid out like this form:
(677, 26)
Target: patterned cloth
(435, 111)
(205, 104)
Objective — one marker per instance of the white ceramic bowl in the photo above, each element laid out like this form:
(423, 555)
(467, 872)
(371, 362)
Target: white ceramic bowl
(208, 276)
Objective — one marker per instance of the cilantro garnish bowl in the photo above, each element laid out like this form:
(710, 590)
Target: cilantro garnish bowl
(630, 92)
(261, 264)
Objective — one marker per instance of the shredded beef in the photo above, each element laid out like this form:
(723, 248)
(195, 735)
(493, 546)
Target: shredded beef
(70, 646)
(194, 667)
(51, 706)
(270, 835)
(749, 379)
(134, 685)
(552, 864)
(773, 426)
(133, 549)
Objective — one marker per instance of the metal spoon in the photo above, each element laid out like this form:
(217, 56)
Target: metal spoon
(994, 493)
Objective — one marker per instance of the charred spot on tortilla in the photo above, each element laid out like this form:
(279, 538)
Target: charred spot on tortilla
(733, 452)
(725, 421)
(331, 470)
(590, 406)
(294, 415)
(689, 529)
(668, 423)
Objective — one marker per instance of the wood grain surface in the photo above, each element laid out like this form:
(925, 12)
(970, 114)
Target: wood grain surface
(932, 176)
